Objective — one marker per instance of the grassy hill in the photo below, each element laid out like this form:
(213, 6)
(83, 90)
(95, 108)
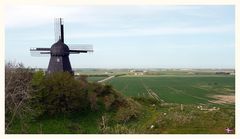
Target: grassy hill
(62, 104)
(154, 118)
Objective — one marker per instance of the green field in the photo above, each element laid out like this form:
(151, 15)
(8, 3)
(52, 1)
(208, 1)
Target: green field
(195, 89)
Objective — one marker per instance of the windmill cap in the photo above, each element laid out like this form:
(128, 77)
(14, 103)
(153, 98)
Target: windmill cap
(59, 49)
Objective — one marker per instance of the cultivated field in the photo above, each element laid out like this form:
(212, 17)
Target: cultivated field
(184, 89)
(179, 102)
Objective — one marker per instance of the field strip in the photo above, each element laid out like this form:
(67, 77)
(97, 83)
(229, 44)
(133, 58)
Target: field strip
(124, 88)
(176, 91)
(104, 80)
(151, 93)
(200, 88)
(155, 95)
(182, 92)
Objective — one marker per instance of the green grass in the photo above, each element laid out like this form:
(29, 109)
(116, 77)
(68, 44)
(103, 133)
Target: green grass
(176, 89)
(170, 119)
(166, 118)
(77, 123)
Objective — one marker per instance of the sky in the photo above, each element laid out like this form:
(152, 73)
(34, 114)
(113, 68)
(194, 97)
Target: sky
(199, 36)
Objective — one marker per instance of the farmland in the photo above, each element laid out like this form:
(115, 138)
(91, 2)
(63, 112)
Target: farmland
(183, 89)
(208, 101)
(176, 89)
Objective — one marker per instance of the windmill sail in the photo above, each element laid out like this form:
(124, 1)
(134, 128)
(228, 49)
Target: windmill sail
(40, 52)
(80, 48)
(58, 29)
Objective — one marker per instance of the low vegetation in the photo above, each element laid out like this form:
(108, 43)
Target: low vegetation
(48, 96)
(63, 104)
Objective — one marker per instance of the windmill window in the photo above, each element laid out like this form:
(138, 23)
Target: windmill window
(58, 60)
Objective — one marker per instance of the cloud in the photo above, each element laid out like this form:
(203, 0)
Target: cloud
(34, 15)
(153, 31)
(29, 16)
(113, 21)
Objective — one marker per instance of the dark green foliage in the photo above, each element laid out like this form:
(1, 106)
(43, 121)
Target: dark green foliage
(59, 93)
(147, 100)
(37, 78)
(130, 111)
(105, 95)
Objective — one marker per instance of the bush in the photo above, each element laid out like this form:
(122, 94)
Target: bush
(128, 112)
(59, 93)
(105, 95)
(93, 101)
(37, 78)
(147, 100)
(17, 86)
(108, 101)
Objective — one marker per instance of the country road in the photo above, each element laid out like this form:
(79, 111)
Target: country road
(108, 78)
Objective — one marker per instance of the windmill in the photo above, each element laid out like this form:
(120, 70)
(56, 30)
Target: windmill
(59, 51)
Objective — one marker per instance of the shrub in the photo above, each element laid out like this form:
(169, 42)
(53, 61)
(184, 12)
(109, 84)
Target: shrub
(128, 112)
(105, 95)
(17, 86)
(93, 101)
(102, 90)
(37, 78)
(108, 101)
(60, 93)
(147, 100)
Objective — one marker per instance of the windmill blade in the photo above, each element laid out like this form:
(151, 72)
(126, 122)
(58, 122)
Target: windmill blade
(77, 51)
(39, 49)
(80, 48)
(45, 53)
(58, 29)
(40, 52)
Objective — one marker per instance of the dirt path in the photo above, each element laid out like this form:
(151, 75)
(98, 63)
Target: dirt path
(104, 80)
(224, 99)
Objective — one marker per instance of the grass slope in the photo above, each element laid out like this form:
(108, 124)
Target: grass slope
(155, 118)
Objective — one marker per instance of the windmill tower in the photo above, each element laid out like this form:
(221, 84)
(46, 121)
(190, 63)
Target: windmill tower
(59, 51)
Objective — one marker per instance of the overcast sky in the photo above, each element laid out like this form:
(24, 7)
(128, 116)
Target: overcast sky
(126, 36)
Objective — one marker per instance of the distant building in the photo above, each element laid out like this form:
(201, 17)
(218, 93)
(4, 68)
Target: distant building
(76, 73)
(132, 71)
(137, 72)
(222, 73)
